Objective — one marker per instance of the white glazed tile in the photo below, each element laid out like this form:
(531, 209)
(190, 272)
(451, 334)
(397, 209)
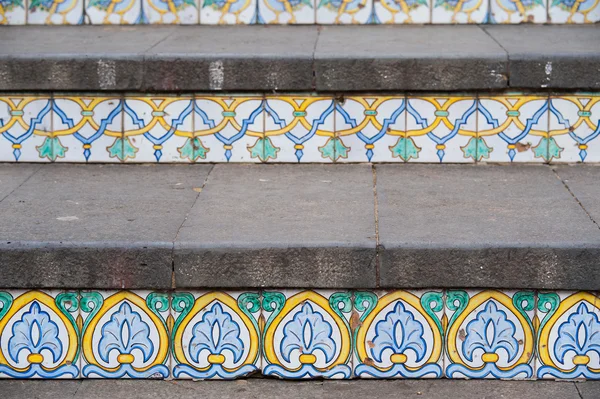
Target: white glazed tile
(304, 337)
(20, 141)
(431, 139)
(161, 12)
(105, 12)
(125, 334)
(519, 11)
(514, 142)
(458, 12)
(13, 12)
(399, 335)
(303, 124)
(157, 127)
(392, 11)
(574, 127)
(490, 334)
(223, 12)
(85, 127)
(340, 12)
(573, 11)
(55, 12)
(569, 323)
(38, 334)
(216, 334)
(278, 11)
(231, 129)
(381, 139)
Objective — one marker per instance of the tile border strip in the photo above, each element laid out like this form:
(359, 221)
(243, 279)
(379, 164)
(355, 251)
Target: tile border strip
(293, 334)
(436, 128)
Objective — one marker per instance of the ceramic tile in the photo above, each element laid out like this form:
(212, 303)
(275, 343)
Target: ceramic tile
(460, 12)
(224, 12)
(216, 334)
(124, 334)
(38, 334)
(229, 129)
(574, 128)
(513, 128)
(25, 127)
(307, 334)
(107, 12)
(568, 328)
(518, 11)
(344, 12)
(158, 128)
(490, 334)
(55, 12)
(398, 334)
(299, 129)
(286, 11)
(402, 11)
(176, 12)
(441, 129)
(12, 12)
(573, 11)
(87, 128)
(370, 129)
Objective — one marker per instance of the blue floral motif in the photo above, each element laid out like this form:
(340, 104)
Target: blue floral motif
(125, 332)
(579, 334)
(36, 332)
(490, 331)
(399, 331)
(307, 333)
(216, 332)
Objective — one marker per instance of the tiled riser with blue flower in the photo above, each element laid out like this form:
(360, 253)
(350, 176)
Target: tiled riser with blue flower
(300, 128)
(300, 334)
(212, 12)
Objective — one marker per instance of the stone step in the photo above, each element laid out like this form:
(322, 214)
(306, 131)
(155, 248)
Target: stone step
(299, 58)
(307, 226)
(266, 389)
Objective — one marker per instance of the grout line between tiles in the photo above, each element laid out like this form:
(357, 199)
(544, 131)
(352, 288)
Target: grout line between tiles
(200, 189)
(574, 196)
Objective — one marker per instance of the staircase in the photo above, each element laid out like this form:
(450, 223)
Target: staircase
(431, 211)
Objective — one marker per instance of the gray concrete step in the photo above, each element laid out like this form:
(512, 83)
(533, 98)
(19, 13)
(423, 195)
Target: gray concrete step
(299, 58)
(309, 226)
(266, 389)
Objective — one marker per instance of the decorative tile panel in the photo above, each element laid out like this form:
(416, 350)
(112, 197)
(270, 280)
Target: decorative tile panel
(224, 12)
(490, 334)
(55, 12)
(12, 12)
(460, 12)
(39, 336)
(370, 129)
(518, 11)
(344, 12)
(26, 128)
(107, 12)
(575, 127)
(514, 128)
(307, 334)
(286, 11)
(398, 334)
(299, 129)
(215, 334)
(573, 11)
(441, 129)
(124, 334)
(402, 11)
(568, 341)
(176, 12)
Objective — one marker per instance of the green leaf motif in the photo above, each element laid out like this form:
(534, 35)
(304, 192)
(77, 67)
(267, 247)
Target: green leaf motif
(270, 150)
(470, 150)
(51, 148)
(100, 4)
(122, 149)
(12, 5)
(193, 149)
(547, 149)
(433, 302)
(6, 301)
(263, 149)
(553, 149)
(524, 301)
(334, 149)
(272, 302)
(457, 301)
(411, 150)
